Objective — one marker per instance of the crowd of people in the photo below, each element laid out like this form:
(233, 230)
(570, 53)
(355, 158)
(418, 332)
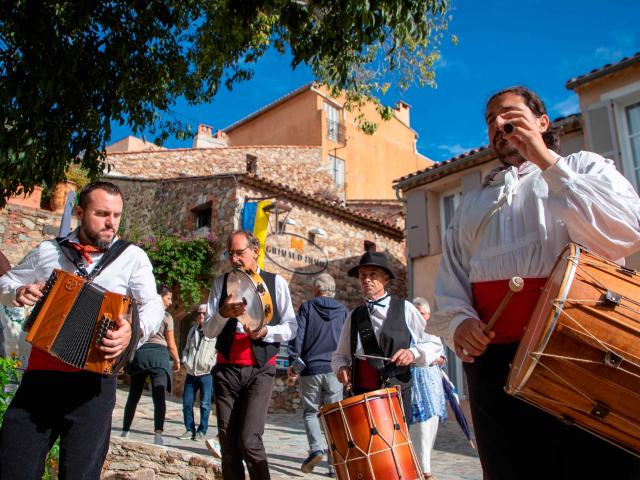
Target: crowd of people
(515, 223)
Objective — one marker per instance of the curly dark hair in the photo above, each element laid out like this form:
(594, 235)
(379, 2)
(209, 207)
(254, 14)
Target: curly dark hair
(531, 99)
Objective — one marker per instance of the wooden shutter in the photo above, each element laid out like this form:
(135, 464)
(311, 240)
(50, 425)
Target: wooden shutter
(470, 181)
(417, 233)
(601, 131)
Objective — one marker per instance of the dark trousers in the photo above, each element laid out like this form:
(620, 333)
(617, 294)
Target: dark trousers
(519, 441)
(159, 384)
(76, 407)
(242, 396)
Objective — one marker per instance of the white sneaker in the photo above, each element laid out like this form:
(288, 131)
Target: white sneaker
(213, 447)
(124, 434)
(188, 435)
(157, 439)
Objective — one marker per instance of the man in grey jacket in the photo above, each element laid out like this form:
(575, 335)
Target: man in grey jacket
(198, 357)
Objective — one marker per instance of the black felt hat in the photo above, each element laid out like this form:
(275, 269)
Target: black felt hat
(372, 259)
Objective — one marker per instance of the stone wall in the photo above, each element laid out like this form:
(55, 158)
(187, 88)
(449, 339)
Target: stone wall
(23, 228)
(128, 460)
(300, 167)
(168, 206)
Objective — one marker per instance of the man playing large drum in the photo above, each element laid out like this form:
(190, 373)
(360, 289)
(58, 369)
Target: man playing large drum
(516, 224)
(392, 328)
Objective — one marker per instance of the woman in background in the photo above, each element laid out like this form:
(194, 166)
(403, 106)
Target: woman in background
(428, 403)
(152, 360)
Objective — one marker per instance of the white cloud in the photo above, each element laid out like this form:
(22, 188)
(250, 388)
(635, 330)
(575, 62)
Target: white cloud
(455, 150)
(568, 106)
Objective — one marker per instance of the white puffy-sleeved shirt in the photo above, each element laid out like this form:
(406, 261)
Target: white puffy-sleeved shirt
(283, 332)
(426, 348)
(519, 225)
(129, 274)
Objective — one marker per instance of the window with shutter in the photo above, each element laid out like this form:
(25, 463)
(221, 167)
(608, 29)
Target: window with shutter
(417, 234)
(601, 131)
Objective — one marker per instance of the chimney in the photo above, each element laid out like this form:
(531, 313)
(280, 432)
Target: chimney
(205, 139)
(401, 112)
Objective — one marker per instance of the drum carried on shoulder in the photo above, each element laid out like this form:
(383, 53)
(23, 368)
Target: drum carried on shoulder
(580, 356)
(368, 437)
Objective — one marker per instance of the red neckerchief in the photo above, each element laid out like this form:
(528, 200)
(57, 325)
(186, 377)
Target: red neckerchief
(85, 250)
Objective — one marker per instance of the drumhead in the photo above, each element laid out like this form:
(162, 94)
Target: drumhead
(382, 393)
(244, 289)
(544, 318)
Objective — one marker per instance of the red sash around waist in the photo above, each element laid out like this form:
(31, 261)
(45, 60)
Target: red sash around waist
(366, 376)
(41, 360)
(510, 326)
(241, 352)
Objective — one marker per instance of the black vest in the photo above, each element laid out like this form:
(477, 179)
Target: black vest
(394, 335)
(263, 351)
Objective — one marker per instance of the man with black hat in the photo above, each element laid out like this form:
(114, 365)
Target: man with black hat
(384, 326)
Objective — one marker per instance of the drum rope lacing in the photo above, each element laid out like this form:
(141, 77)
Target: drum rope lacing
(353, 446)
(544, 399)
(557, 303)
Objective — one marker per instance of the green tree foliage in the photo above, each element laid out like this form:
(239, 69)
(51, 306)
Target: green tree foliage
(182, 261)
(68, 69)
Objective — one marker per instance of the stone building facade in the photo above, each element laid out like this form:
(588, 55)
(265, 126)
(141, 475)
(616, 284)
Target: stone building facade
(169, 191)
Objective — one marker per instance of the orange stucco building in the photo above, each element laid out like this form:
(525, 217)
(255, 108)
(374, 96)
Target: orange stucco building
(361, 165)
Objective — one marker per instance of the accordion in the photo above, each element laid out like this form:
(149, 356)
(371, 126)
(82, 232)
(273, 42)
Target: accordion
(71, 318)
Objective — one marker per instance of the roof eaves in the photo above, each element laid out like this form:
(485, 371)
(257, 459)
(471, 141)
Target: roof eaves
(325, 205)
(474, 157)
(268, 107)
(602, 71)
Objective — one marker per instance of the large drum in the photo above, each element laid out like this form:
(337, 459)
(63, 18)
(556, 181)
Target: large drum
(580, 356)
(249, 288)
(368, 437)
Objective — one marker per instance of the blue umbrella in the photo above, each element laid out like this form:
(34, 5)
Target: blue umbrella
(452, 397)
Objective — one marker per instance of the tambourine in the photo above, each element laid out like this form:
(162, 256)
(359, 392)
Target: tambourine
(249, 288)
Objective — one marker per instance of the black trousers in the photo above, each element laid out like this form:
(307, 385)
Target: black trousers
(519, 441)
(242, 396)
(159, 382)
(76, 407)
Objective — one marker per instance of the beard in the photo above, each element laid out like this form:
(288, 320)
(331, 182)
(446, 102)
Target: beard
(507, 153)
(95, 237)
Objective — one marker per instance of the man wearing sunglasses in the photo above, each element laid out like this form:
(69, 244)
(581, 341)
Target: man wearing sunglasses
(245, 371)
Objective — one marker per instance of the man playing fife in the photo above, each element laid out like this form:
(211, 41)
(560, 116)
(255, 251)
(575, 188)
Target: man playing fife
(245, 371)
(517, 224)
(398, 333)
(55, 399)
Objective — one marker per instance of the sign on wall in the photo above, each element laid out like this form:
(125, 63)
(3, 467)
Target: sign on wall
(296, 254)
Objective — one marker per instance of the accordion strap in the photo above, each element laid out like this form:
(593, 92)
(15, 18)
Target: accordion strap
(109, 256)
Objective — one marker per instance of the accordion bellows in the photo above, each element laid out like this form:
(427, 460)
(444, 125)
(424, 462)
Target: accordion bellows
(72, 317)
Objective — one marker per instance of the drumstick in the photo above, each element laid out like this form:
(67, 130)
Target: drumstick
(515, 285)
(375, 357)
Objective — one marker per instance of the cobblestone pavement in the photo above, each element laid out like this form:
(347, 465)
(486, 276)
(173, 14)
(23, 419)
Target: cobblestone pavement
(286, 442)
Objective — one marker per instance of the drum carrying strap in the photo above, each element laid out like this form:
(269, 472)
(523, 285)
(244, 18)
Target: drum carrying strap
(362, 322)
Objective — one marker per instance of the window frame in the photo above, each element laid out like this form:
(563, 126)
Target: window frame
(456, 193)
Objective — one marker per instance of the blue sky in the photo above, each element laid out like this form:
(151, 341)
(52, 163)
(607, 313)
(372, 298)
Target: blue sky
(538, 43)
